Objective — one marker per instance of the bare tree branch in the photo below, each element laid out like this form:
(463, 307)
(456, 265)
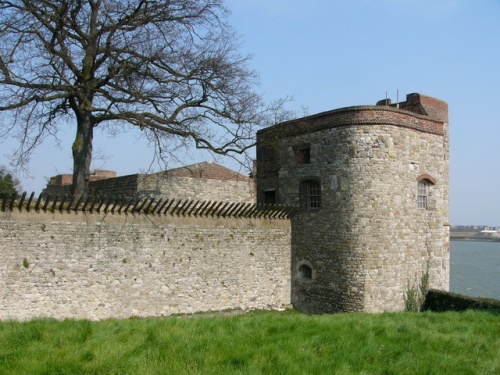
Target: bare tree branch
(171, 68)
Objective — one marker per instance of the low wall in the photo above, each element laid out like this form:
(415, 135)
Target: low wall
(98, 265)
(439, 301)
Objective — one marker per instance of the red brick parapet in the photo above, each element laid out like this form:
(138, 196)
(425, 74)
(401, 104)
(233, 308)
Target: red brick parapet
(357, 115)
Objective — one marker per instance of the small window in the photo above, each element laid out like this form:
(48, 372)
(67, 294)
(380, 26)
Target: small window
(423, 188)
(313, 195)
(305, 272)
(310, 195)
(269, 196)
(302, 154)
(422, 195)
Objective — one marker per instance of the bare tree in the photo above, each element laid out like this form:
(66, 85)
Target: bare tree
(168, 67)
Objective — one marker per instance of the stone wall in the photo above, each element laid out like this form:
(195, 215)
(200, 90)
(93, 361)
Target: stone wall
(123, 186)
(202, 181)
(164, 185)
(98, 266)
(362, 246)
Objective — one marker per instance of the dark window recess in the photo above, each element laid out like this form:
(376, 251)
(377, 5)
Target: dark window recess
(313, 195)
(302, 154)
(269, 196)
(305, 272)
(310, 195)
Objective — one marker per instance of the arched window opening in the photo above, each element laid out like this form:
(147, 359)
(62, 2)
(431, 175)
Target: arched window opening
(305, 272)
(431, 180)
(423, 192)
(422, 195)
(424, 185)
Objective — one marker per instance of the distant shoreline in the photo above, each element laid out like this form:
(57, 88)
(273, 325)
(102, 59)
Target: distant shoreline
(474, 239)
(475, 236)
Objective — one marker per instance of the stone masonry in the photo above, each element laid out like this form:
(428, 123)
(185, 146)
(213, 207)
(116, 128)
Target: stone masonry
(370, 189)
(360, 239)
(202, 181)
(99, 266)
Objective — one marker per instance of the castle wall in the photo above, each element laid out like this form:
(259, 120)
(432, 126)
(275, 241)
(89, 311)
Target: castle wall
(123, 186)
(359, 240)
(164, 185)
(202, 181)
(98, 266)
(368, 243)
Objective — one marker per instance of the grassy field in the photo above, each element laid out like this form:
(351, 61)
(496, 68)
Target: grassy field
(258, 343)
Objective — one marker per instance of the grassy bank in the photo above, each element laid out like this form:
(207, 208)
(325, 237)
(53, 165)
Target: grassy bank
(258, 343)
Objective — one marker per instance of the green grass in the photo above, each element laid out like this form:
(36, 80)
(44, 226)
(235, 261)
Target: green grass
(258, 343)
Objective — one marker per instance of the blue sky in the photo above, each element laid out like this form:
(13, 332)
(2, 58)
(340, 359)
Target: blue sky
(329, 54)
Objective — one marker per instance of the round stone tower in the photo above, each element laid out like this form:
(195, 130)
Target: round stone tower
(371, 187)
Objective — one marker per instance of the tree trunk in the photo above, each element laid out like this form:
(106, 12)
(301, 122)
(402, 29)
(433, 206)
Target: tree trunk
(82, 156)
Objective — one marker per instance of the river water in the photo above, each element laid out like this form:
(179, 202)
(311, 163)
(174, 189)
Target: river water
(475, 268)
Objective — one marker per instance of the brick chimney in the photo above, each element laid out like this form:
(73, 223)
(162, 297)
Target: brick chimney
(436, 109)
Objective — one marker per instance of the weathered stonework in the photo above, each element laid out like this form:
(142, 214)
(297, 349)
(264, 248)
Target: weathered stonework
(202, 181)
(370, 184)
(97, 266)
(368, 242)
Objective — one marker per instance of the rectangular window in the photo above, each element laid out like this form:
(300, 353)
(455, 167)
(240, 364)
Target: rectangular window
(269, 196)
(422, 195)
(313, 195)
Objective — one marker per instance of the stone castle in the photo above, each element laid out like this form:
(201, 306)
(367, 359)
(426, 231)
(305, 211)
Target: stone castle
(372, 186)
(370, 189)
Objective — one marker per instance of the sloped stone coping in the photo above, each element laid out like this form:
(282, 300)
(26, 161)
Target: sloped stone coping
(144, 206)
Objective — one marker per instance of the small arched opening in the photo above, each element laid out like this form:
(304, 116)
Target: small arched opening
(424, 186)
(305, 272)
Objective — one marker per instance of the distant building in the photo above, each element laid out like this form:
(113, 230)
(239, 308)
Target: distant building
(202, 181)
